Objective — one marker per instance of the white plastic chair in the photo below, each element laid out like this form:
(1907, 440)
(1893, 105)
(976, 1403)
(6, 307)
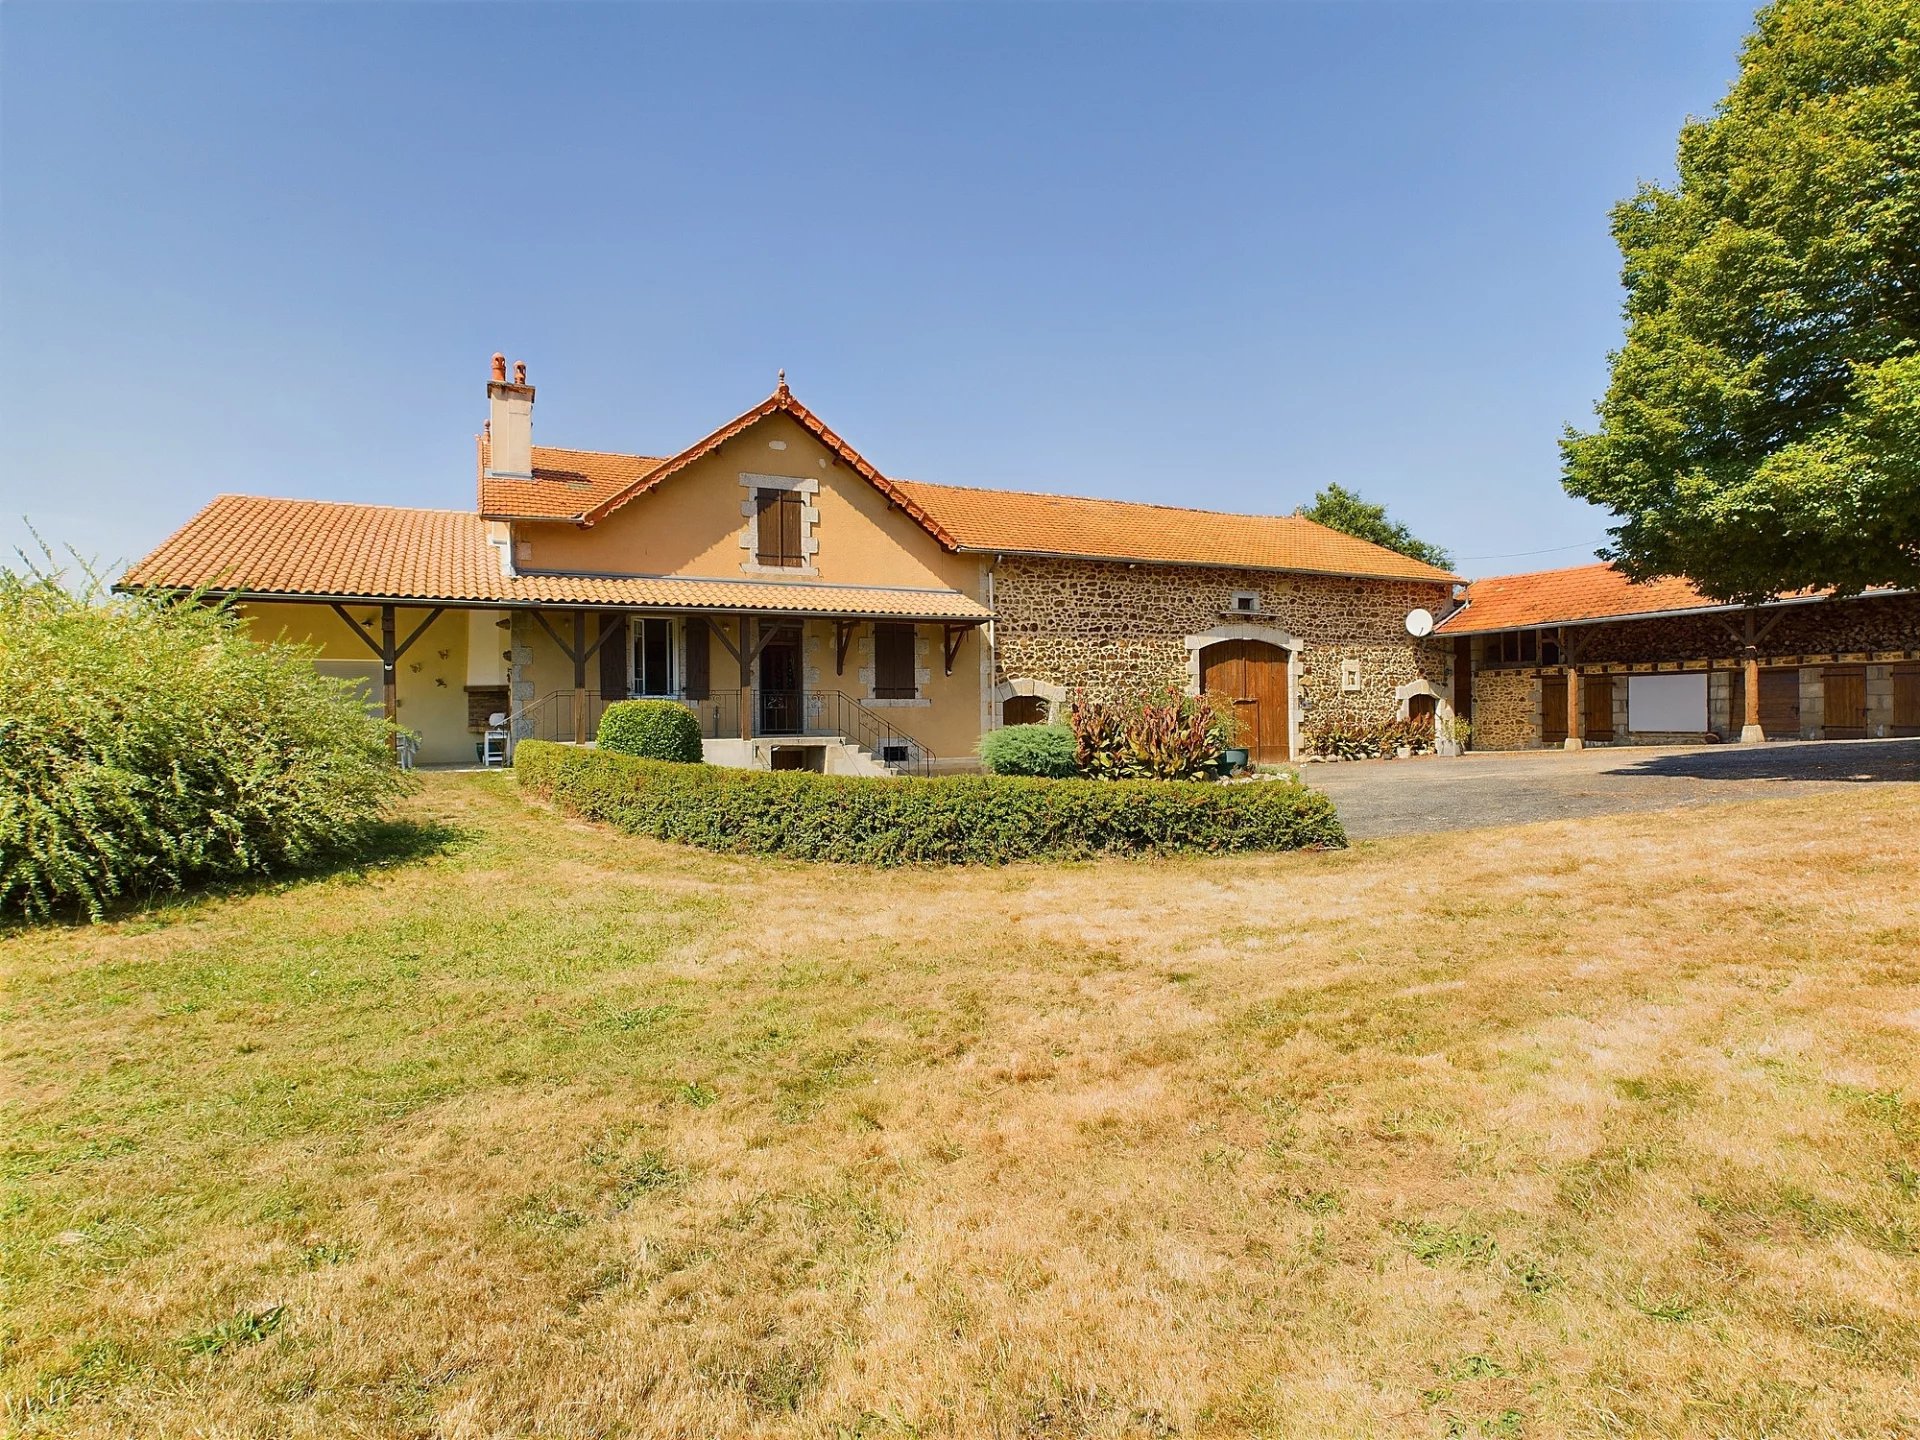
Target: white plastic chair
(493, 748)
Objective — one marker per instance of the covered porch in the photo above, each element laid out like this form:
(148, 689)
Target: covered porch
(770, 690)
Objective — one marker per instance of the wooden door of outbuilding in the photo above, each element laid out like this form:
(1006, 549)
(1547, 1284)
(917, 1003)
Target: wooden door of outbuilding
(1846, 702)
(1253, 676)
(1553, 709)
(1906, 700)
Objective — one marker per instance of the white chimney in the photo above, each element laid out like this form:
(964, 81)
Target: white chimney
(509, 422)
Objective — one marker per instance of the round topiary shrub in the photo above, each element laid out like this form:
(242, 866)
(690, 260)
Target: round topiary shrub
(651, 729)
(1043, 750)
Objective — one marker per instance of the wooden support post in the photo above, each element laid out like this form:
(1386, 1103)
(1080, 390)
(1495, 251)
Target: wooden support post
(1576, 711)
(579, 654)
(1750, 731)
(746, 654)
(390, 681)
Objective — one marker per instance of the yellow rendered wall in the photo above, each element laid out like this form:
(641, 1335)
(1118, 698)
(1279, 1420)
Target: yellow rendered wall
(691, 524)
(430, 681)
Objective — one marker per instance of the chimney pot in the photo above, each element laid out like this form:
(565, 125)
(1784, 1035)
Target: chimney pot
(499, 366)
(519, 372)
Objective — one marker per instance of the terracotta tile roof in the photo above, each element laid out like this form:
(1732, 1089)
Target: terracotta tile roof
(380, 552)
(1563, 597)
(565, 484)
(1023, 523)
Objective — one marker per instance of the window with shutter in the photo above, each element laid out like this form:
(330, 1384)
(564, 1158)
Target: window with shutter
(893, 665)
(779, 540)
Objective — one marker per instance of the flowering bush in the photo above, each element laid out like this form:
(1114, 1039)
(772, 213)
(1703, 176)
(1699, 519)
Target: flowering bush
(1166, 736)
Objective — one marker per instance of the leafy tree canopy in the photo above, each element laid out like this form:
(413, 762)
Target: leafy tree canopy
(1340, 509)
(1761, 432)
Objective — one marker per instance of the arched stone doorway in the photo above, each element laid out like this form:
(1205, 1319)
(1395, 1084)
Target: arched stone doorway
(1252, 675)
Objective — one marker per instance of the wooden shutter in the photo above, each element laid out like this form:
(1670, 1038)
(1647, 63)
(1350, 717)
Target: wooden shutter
(615, 662)
(893, 665)
(790, 528)
(779, 527)
(698, 655)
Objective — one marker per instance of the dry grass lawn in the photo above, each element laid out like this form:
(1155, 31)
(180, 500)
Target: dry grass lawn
(1607, 1128)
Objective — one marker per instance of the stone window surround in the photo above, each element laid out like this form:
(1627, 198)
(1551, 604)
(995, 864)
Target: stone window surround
(753, 484)
(1267, 635)
(1054, 695)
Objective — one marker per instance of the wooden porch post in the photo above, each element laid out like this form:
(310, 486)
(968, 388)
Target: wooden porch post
(389, 679)
(579, 677)
(1576, 712)
(746, 655)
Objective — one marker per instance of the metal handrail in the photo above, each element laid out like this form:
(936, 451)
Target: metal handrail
(840, 714)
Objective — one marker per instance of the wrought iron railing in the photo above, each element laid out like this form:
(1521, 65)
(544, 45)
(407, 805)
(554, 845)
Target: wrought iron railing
(831, 713)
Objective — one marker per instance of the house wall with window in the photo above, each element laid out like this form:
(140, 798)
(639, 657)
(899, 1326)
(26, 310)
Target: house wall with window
(704, 522)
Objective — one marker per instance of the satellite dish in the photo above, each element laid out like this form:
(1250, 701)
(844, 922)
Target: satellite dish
(1419, 622)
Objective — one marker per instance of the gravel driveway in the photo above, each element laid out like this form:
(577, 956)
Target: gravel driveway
(1404, 797)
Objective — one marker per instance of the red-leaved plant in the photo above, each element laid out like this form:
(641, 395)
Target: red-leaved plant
(1164, 736)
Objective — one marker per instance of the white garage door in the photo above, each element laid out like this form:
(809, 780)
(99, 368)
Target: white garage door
(1667, 703)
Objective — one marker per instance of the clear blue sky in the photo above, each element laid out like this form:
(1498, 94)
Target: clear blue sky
(1214, 256)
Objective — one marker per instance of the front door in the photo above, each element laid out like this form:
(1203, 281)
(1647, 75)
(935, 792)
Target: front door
(781, 711)
(1253, 676)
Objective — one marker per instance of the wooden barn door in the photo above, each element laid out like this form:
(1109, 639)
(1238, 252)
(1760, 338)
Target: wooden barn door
(1553, 709)
(1846, 708)
(1253, 675)
(1596, 699)
(1906, 700)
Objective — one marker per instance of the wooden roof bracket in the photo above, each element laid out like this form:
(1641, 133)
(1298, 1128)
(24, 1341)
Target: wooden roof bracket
(952, 633)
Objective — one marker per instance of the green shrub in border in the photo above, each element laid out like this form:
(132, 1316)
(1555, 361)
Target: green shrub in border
(147, 746)
(961, 819)
(651, 729)
(1045, 750)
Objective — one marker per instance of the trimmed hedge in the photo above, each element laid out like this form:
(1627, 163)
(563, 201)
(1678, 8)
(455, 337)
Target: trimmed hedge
(961, 819)
(1048, 750)
(651, 729)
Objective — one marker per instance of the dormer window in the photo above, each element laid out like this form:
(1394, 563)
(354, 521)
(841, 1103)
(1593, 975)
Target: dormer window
(780, 529)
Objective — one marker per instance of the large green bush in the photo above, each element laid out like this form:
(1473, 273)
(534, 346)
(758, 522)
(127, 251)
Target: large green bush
(1045, 750)
(651, 729)
(970, 819)
(146, 745)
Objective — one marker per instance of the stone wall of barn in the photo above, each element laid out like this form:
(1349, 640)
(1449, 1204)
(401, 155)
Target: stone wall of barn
(1117, 630)
(1506, 710)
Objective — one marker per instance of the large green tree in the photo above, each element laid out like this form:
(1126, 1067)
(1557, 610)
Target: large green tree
(1762, 429)
(1340, 509)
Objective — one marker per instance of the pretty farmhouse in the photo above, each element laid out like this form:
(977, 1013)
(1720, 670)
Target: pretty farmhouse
(819, 614)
